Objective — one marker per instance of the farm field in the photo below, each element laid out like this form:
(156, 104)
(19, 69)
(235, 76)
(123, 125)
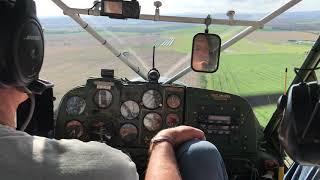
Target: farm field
(254, 66)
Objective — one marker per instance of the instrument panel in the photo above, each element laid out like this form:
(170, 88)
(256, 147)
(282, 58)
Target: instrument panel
(119, 113)
(126, 115)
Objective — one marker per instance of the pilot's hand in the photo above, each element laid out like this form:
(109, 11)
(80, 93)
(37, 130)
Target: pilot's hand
(182, 134)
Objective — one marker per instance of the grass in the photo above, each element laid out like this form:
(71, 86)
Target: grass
(264, 113)
(247, 74)
(184, 37)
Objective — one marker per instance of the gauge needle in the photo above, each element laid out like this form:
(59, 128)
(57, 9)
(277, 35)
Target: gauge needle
(107, 136)
(73, 133)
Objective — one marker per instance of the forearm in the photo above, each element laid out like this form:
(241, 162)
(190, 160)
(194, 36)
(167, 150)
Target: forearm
(162, 163)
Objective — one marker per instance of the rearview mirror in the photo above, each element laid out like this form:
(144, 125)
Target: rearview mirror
(205, 52)
(120, 9)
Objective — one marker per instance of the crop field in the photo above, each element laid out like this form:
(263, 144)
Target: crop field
(254, 66)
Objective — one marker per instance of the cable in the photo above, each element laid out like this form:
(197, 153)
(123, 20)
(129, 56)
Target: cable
(32, 107)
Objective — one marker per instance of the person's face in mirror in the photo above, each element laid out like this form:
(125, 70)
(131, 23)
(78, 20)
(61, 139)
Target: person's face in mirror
(201, 54)
(114, 7)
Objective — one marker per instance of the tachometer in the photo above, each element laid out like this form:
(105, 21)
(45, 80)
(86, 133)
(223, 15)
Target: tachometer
(103, 98)
(173, 101)
(128, 132)
(74, 129)
(152, 99)
(75, 105)
(130, 110)
(152, 121)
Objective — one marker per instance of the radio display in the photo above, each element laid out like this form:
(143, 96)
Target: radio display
(221, 119)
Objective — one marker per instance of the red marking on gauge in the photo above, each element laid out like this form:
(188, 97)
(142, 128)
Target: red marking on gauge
(172, 120)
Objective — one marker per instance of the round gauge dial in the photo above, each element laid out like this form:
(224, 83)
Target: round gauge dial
(103, 98)
(74, 129)
(152, 99)
(75, 105)
(101, 131)
(172, 120)
(130, 110)
(128, 132)
(152, 121)
(173, 101)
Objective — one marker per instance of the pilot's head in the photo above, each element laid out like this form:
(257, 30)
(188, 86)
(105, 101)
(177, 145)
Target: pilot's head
(21, 50)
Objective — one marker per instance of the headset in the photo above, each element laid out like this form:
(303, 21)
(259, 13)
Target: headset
(21, 50)
(21, 43)
(299, 130)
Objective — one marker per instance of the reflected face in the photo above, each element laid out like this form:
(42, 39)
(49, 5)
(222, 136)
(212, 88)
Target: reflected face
(201, 55)
(206, 52)
(113, 7)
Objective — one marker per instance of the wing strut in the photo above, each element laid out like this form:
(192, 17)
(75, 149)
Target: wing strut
(75, 16)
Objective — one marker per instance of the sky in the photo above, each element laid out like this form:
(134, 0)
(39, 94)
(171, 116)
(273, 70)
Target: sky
(48, 8)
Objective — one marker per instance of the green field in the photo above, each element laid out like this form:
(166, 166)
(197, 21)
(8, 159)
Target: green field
(250, 67)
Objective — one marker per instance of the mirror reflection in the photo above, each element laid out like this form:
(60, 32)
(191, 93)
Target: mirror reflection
(206, 52)
(113, 7)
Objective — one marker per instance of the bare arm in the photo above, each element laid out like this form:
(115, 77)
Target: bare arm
(162, 163)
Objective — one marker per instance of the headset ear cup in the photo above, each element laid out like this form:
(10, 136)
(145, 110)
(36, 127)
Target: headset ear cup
(22, 46)
(28, 50)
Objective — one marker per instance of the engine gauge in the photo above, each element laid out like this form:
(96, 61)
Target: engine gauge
(128, 133)
(152, 121)
(152, 99)
(173, 101)
(172, 120)
(101, 131)
(74, 129)
(75, 105)
(130, 110)
(103, 98)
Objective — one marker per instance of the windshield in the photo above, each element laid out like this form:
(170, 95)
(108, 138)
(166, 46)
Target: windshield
(253, 68)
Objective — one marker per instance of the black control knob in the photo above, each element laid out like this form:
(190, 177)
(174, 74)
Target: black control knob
(153, 75)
